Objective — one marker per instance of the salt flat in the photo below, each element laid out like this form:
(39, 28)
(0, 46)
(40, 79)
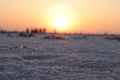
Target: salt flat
(35, 58)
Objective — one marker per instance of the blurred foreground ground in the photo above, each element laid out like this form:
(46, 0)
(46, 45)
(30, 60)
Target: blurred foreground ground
(35, 58)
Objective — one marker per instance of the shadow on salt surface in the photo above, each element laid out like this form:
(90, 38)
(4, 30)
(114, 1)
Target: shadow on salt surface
(12, 68)
(12, 47)
(40, 57)
(57, 67)
(9, 58)
(69, 61)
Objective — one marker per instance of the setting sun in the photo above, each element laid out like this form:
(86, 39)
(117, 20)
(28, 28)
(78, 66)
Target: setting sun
(61, 17)
(61, 22)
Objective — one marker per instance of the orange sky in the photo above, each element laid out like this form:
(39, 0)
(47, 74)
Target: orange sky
(90, 16)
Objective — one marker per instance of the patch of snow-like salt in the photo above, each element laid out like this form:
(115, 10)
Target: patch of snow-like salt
(34, 58)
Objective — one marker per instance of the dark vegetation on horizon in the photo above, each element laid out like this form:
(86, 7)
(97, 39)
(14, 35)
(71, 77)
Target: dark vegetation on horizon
(31, 32)
(27, 33)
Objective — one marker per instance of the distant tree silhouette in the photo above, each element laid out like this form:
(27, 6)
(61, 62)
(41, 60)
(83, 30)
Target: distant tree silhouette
(44, 30)
(105, 33)
(27, 30)
(35, 30)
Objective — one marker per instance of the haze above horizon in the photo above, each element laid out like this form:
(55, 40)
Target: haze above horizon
(88, 16)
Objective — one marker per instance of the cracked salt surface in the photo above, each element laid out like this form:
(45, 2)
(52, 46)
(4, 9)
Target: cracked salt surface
(73, 59)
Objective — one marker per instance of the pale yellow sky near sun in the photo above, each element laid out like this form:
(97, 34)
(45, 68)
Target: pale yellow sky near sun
(90, 16)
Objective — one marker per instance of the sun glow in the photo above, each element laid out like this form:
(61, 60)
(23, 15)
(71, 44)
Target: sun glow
(61, 22)
(61, 17)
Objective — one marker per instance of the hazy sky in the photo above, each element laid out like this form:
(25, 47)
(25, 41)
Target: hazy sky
(91, 16)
